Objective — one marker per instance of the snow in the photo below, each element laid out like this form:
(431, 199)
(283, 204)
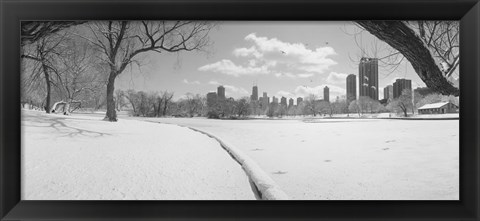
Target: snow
(347, 159)
(268, 189)
(434, 105)
(82, 157)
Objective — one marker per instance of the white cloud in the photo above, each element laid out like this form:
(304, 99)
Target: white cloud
(296, 55)
(214, 82)
(245, 52)
(304, 75)
(337, 78)
(190, 82)
(228, 67)
(273, 56)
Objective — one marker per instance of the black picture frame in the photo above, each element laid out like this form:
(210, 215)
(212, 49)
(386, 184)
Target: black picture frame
(13, 11)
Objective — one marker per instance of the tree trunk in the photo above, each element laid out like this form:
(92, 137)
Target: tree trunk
(47, 81)
(164, 109)
(111, 113)
(406, 41)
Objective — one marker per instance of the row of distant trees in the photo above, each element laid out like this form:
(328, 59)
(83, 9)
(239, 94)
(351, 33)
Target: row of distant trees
(161, 104)
(311, 106)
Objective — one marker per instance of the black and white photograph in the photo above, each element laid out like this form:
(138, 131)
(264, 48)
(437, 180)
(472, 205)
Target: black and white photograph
(240, 110)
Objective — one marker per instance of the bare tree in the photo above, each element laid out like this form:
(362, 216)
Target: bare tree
(33, 31)
(120, 99)
(45, 52)
(133, 99)
(75, 72)
(355, 107)
(311, 104)
(431, 48)
(193, 104)
(167, 98)
(403, 103)
(122, 41)
(242, 107)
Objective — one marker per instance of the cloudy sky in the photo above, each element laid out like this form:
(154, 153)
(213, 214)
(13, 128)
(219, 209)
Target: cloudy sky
(289, 59)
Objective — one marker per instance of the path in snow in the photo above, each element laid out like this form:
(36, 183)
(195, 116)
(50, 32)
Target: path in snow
(340, 159)
(84, 158)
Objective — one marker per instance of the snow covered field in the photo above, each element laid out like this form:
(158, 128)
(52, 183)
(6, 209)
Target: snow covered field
(81, 157)
(348, 159)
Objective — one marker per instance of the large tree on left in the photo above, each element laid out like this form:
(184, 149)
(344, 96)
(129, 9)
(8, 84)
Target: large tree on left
(121, 43)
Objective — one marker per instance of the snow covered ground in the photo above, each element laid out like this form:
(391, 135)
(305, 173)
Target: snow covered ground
(347, 159)
(81, 157)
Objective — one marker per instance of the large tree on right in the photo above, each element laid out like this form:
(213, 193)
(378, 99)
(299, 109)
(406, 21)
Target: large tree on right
(431, 47)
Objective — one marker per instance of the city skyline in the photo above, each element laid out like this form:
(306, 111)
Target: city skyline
(276, 55)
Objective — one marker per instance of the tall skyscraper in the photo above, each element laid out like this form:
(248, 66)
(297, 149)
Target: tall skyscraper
(388, 92)
(399, 85)
(326, 94)
(290, 102)
(351, 87)
(283, 101)
(221, 92)
(254, 95)
(299, 100)
(368, 77)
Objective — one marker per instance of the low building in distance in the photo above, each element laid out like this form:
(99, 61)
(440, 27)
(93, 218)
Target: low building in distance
(438, 108)
(211, 99)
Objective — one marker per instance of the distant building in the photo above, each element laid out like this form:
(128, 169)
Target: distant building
(211, 99)
(274, 100)
(388, 93)
(326, 94)
(438, 108)
(221, 92)
(283, 101)
(299, 100)
(351, 87)
(254, 95)
(290, 102)
(424, 91)
(368, 77)
(399, 85)
(265, 99)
